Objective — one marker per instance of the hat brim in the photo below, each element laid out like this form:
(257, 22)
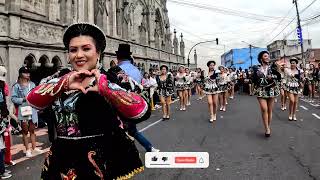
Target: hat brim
(125, 53)
(88, 29)
(3, 79)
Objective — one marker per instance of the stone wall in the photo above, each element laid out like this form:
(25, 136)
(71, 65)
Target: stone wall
(32, 30)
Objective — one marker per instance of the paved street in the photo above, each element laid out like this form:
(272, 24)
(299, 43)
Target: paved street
(236, 143)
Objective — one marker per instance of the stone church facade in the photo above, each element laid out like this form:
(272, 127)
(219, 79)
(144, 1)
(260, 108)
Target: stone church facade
(31, 32)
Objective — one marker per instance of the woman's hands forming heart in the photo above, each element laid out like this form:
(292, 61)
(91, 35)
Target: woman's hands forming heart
(80, 80)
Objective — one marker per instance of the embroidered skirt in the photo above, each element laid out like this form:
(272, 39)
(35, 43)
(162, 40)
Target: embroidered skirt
(267, 92)
(101, 157)
(211, 87)
(165, 92)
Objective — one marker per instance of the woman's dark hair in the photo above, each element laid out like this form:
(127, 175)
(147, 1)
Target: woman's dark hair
(260, 55)
(164, 66)
(85, 29)
(209, 62)
(294, 59)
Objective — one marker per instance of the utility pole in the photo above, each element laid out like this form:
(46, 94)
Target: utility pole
(300, 30)
(250, 47)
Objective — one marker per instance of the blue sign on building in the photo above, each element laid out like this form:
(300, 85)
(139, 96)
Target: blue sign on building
(241, 57)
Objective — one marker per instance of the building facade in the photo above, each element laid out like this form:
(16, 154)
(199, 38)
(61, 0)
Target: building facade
(287, 48)
(31, 32)
(241, 57)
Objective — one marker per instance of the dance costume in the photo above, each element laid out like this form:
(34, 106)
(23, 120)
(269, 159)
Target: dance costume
(199, 80)
(293, 80)
(181, 82)
(90, 143)
(211, 84)
(166, 86)
(189, 81)
(224, 81)
(283, 80)
(311, 77)
(266, 82)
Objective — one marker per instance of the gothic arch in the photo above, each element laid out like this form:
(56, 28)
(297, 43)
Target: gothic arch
(139, 28)
(44, 60)
(56, 61)
(29, 60)
(159, 22)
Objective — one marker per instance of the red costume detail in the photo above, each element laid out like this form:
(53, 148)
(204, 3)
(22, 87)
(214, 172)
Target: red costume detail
(44, 95)
(128, 104)
(98, 172)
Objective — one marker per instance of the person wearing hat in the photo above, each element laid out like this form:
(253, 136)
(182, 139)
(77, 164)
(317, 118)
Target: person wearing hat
(91, 142)
(223, 88)
(125, 62)
(165, 86)
(212, 90)
(265, 80)
(293, 86)
(27, 115)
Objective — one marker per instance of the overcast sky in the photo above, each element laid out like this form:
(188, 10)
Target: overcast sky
(259, 25)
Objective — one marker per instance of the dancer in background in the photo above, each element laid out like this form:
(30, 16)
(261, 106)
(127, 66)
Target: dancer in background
(211, 89)
(282, 88)
(233, 76)
(189, 84)
(223, 88)
(266, 88)
(165, 86)
(311, 81)
(181, 87)
(293, 84)
(199, 83)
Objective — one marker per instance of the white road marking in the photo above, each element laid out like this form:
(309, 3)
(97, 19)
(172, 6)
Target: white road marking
(315, 115)
(150, 125)
(304, 108)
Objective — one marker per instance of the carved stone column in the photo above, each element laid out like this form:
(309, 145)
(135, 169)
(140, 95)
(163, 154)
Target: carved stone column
(13, 6)
(81, 11)
(175, 43)
(15, 61)
(182, 46)
(91, 11)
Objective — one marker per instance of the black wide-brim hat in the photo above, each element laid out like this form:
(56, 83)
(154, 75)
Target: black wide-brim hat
(124, 50)
(209, 62)
(88, 29)
(294, 59)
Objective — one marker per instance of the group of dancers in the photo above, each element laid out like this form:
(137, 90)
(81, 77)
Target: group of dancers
(268, 79)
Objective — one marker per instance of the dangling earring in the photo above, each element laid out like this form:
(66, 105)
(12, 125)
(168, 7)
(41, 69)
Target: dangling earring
(98, 65)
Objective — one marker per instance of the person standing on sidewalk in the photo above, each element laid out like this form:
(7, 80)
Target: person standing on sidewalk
(128, 72)
(4, 98)
(4, 174)
(26, 114)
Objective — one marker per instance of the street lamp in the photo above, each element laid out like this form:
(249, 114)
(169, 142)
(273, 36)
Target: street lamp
(217, 41)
